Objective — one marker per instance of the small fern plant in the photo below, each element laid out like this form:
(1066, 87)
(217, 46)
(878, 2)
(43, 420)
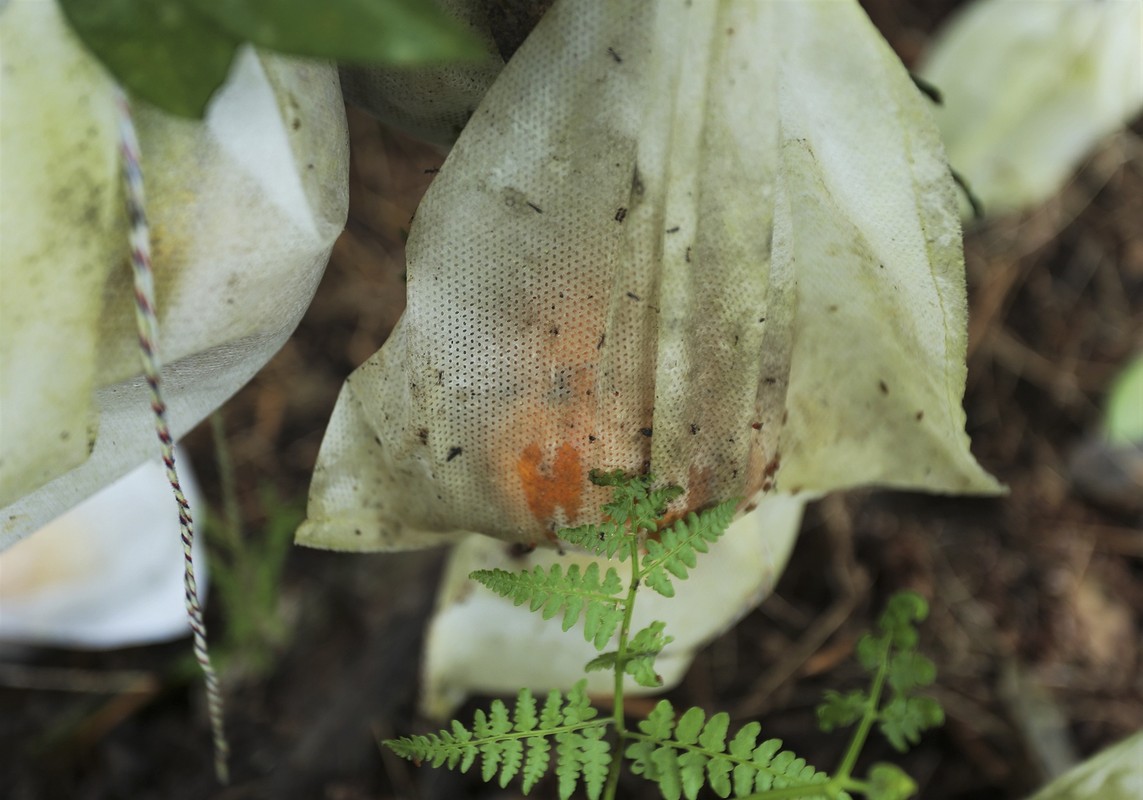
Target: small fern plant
(681, 753)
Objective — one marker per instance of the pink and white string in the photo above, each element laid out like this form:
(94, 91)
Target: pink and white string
(147, 329)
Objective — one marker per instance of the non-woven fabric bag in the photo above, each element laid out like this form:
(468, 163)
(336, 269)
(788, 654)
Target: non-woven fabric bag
(1029, 89)
(681, 238)
(108, 573)
(244, 208)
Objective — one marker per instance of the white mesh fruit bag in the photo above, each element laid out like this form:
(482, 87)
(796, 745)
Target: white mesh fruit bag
(674, 237)
(244, 207)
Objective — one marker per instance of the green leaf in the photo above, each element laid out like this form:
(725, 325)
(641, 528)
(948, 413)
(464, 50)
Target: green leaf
(698, 755)
(161, 50)
(176, 53)
(690, 725)
(525, 715)
(595, 761)
(639, 753)
(692, 772)
(496, 741)
(889, 782)
(660, 722)
(397, 32)
(695, 766)
(901, 612)
(582, 753)
(909, 670)
(670, 780)
(642, 650)
(642, 670)
(676, 550)
(902, 720)
(658, 499)
(578, 707)
(841, 710)
(742, 749)
(550, 591)
(536, 763)
(512, 758)
(614, 478)
(602, 662)
(599, 540)
(718, 774)
(634, 505)
(567, 763)
(713, 736)
(640, 666)
(551, 716)
(870, 651)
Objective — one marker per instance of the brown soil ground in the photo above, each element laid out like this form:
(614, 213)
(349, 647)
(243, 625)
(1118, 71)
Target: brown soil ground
(1037, 620)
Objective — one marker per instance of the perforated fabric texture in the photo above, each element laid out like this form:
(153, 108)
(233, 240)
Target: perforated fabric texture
(244, 209)
(676, 238)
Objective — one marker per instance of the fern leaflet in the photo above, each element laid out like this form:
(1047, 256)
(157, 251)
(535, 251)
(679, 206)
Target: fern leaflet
(574, 593)
(639, 661)
(582, 753)
(698, 754)
(607, 539)
(522, 744)
(676, 550)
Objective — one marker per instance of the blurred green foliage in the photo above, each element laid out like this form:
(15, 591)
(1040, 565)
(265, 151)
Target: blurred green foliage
(176, 53)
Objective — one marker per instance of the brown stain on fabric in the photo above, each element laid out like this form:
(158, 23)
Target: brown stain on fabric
(552, 484)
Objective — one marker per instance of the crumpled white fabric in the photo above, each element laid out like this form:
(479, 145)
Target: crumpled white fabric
(1030, 88)
(244, 209)
(716, 240)
(479, 642)
(1111, 774)
(108, 573)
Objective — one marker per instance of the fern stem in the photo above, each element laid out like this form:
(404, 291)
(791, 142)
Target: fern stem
(613, 771)
(621, 668)
(842, 776)
(231, 514)
(790, 792)
(504, 737)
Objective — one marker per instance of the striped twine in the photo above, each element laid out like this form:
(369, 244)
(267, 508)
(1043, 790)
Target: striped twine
(147, 328)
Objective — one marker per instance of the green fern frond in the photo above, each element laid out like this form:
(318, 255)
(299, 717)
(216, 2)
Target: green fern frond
(605, 540)
(902, 720)
(507, 747)
(624, 500)
(573, 593)
(634, 504)
(616, 478)
(658, 500)
(578, 708)
(892, 659)
(582, 753)
(639, 660)
(698, 754)
(676, 550)
(634, 507)
(552, 716)
(650, 640)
